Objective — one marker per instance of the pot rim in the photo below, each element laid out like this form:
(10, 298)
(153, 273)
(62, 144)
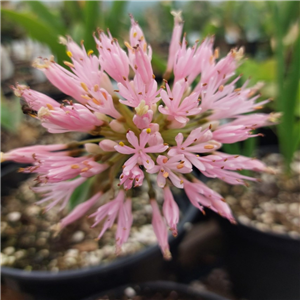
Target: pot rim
(165, 285)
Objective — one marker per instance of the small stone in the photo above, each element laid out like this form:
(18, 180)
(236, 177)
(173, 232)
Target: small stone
(267, 206)
(10, 260)
(41, 242)
(267, 218)
(93, 260)
(294, 234)
(187, 226)
(231, 200)
(78, 236)
(244, 220)
(14, 216)
(129, 292)
(70, 261)
(278, 228)
(33, 210)
(281, 208)
(9, 250)
(262, 226)
(294, 209)
(88, 245)
(296, 221)
(3, 226)
(3, 259)
(43, 253)
(20, 254)
(246, 203)
(72, 252)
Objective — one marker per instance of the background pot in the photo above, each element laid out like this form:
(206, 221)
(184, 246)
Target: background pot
(145, 265)
(163, 287)
(261, 266)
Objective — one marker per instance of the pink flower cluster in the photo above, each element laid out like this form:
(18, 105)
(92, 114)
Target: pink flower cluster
(167, 129)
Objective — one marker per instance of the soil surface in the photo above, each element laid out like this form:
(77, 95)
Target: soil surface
(271, 205)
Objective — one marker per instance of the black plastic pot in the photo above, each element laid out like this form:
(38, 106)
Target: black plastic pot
(262, 266)
(159, 288)
(145, 265)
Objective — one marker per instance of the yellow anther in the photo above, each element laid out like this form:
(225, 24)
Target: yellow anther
(134, 34)
(165, 160)
(90, 52)
(128, 45)
(84, 86)
(121, 144)
(50, 106)
(148, 130)
(166, 174)
(180, 166)
(69, 53)
(68, 64)
(209, 147)
(96, 87)
(74, 167)
(98, 102)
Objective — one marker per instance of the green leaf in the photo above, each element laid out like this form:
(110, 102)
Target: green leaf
(291, 94)
(115, 16)
(38, 31)
(11, 114)
(158, 63)
(259, 71)
(91, 15)
(80, 194)
(72, 13)
(46, 16)
(232, 148)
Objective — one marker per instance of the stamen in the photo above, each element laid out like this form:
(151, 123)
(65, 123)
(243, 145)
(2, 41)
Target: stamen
(84, 86)
(69, 53)
(121, 144)
(68, 64)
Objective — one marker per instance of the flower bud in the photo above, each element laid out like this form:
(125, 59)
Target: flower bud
(107, 145)
(92, 148)
(117, 126)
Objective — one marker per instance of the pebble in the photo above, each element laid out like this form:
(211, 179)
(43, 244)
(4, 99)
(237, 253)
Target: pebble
(281, 208)
(70, 261)
(72, 252)
(294, 209)
(78, 236)
(43, 253)
(130, 292)
(244, 220)
(9, 250)
(14, 216)
(262, 226)
(3, 259)
(10, 260)
(33, 210)
(3, 227)
(294, 234)
(20, 254)
(267, 218)
(88, 245)
(278, 228)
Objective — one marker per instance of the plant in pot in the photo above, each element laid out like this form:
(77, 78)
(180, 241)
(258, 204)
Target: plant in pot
(267, 240)
(142, 131)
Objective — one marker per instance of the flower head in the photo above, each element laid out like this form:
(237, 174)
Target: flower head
(167, 128)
